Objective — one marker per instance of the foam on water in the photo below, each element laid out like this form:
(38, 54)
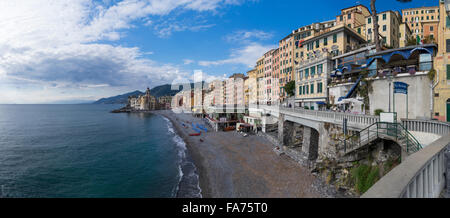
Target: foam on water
(188, 185)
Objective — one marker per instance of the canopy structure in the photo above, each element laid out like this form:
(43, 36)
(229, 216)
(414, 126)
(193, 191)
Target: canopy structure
(405, 52)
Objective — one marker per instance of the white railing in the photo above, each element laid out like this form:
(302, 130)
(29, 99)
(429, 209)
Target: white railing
(326, 116)
(421, 175)
(429, 126)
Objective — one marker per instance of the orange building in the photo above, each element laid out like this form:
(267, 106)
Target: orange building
(422, 21)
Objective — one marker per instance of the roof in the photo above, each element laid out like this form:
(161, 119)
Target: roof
(428, 7)
(355, 7)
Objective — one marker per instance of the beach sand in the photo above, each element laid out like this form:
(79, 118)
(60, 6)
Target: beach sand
(233, 166)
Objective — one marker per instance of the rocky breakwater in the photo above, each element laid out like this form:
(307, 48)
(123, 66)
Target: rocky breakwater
(124, 110)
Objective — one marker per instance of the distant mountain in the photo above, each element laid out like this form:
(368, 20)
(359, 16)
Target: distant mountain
(120, 99)
(164, 90)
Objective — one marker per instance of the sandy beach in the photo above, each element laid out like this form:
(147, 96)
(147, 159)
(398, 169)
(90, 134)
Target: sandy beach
(233, 166)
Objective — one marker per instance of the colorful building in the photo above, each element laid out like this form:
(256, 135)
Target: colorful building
(354, 17)
(441, 83)
(422, 21)
(389, 28)
(286, 63)
(315, 64)
(269, 95)
(405, 35)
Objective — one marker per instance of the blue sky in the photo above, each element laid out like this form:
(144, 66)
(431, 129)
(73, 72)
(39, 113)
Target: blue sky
(82, 50)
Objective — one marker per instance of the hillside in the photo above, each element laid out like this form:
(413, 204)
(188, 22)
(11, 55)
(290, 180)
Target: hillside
(164, 90)
(119, 99)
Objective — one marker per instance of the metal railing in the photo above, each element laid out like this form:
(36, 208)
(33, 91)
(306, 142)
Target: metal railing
(377, 130)
(327, 116)
(421, 175)
(428, 126)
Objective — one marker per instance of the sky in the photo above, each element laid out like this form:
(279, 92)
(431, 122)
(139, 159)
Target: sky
(73, 51)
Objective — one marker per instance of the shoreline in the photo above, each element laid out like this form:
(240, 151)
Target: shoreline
(191, 154)
(231, 166)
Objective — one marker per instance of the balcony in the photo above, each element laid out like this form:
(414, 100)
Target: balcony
(407, 60)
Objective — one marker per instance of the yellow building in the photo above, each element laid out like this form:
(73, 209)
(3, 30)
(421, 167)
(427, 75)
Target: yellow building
(441, 100)
(252, 87)
(389, 28)
(314, 62)
(405, 34)
(422, 21)
(246, 91)
(354, 17)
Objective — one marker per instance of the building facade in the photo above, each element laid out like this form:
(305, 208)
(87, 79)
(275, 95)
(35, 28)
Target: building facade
(315, 62)
(389, 28)
(441, 97)
(422, 21)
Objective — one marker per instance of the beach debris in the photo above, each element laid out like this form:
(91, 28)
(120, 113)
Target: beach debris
(201, 140)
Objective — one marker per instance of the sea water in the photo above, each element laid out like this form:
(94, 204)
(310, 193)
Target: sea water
(73, 151)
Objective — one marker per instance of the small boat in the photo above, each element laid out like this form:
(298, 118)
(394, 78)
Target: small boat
(195, 134)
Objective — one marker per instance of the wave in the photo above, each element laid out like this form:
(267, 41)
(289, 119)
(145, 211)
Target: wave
(188, 183)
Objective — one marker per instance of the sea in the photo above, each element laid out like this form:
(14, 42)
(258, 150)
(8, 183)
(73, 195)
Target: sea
(84, 151)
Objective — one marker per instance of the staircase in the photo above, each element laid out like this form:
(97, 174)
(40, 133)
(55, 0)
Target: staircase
(381, 130)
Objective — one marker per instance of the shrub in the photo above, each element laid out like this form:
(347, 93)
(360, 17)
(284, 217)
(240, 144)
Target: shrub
(378, 112)
(431, 74)
(364, 177)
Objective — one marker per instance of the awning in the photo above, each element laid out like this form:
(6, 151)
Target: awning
(321, 103)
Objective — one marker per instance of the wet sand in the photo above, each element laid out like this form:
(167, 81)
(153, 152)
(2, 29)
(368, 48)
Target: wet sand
(233, 166)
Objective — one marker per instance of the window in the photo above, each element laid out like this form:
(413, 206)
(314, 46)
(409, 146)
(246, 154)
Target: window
(447, 45)
(359, 30)
(320, 69)
(384, 16)
(312, 88)
(306, 72)
(319, 87)
(447, 22)
(307, 90)
(384, 28)
(431, 28)
(369, 31)
(349, 16)
(313, 71)
(317, 44)
(369, 20)
(334, 38)
(325, 41)
(300, 90)
(341, 18)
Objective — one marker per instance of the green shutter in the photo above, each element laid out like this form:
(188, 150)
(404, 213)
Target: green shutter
(448, 22)
(448, 71)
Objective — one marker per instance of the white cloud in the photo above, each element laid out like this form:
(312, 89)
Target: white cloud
(53, 45)
(166, 29)
(247, 55)
(188, 61)
(244, 36)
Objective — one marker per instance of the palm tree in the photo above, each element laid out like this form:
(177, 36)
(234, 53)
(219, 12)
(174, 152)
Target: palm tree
(375, 22)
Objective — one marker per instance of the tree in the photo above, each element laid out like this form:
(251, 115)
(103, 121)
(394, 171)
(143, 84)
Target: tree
(375, 22)
(290, 88)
